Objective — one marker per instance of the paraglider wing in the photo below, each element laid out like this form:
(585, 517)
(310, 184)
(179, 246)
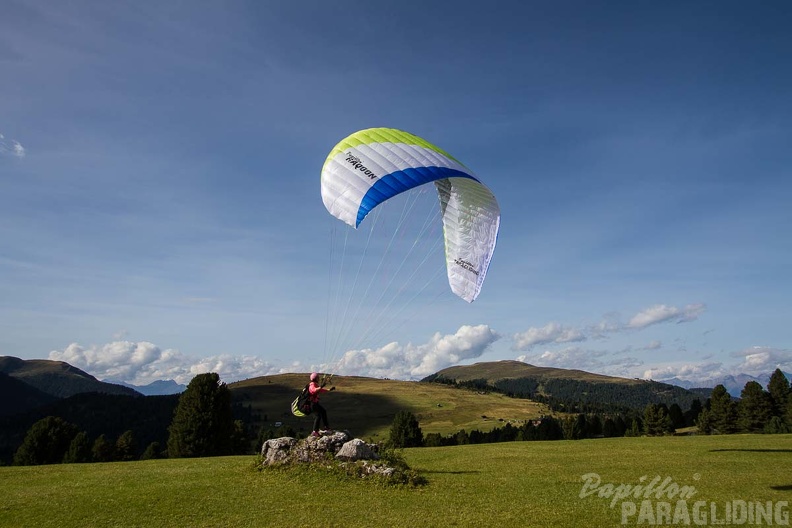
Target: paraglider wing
(373, 165)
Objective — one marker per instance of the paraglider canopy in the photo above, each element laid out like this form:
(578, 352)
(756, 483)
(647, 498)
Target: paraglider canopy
(371, 166)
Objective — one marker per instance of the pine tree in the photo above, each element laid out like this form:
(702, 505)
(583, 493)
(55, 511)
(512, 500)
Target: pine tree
(677, 416)
(126, 447)
(723, 411)
(153, 451)
(779, 390)
(788, 412)
(405, 431)
(79, 451)
(656, 420)
(755, 408)
(609, 428)
(634, 429)
(776, 425)
(203, 423)
(692, 414)
(704, 422)
(103, 450)
(46, 442)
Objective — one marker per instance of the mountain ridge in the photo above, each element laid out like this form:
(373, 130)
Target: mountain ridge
(566, 389)
(57, 378)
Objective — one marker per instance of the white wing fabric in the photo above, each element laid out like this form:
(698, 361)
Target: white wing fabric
(373, 165)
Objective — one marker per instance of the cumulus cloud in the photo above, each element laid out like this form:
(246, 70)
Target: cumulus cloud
(660, 313)
(754, 361)
(417, 361)
(11, 147)
(578, 358)
(557, 333)
(550, 333)
(140, 363)
(763, 360)
(688, 371)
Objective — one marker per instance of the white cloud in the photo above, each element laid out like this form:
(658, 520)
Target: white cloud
(754, 361)
(550, 333)
(141, 363)
(11, 147)
(660, 313)
(763, 360)
(597, 361)
(416, 361)
(688, 372)
(557, 333)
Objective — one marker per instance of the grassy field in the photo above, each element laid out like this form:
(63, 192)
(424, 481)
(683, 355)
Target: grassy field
(366, 406)
(519, 483)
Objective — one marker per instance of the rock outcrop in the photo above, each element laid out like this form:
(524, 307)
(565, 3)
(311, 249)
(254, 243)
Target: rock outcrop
(314, 449)
(337, 449)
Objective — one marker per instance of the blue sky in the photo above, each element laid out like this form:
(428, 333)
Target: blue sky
(160, 212)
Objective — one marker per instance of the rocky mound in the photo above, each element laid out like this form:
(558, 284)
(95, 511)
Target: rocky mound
(338, 446)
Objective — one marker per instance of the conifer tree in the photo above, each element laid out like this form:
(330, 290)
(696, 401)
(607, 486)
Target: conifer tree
(103, 450)
(46, 442)
(126, 447)
(677, 416)
(79, 451)
(779, 390)
(153, 451)
(656, 420)
(203, 423)
(405, 431)
(723, 411)
(692, 414)
(704, 422)
(755, 408)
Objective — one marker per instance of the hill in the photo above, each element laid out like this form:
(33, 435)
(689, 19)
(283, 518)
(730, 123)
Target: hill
(57, 378)
(565, 389)
(17, 396)
(494, 371)
(366, 406)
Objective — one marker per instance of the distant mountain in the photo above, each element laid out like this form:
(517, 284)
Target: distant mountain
(734, 384)
(566, 389)
(57, 378)
(156, 388)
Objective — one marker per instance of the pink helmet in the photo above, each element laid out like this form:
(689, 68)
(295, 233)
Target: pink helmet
(314, 376)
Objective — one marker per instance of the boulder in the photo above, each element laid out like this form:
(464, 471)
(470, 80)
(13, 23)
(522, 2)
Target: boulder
(276, 450)
(356, 449)
(315, 448)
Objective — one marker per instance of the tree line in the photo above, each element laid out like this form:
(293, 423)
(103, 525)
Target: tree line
(756, 411)
(202, 425)
(581, 396)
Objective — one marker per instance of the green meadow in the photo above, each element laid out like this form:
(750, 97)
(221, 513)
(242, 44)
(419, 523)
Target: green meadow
(519, 483)
(368, 405)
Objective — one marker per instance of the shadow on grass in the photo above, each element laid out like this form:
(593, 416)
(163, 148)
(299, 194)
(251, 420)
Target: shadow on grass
(788, 487)
(359, 413)
(753, 450)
